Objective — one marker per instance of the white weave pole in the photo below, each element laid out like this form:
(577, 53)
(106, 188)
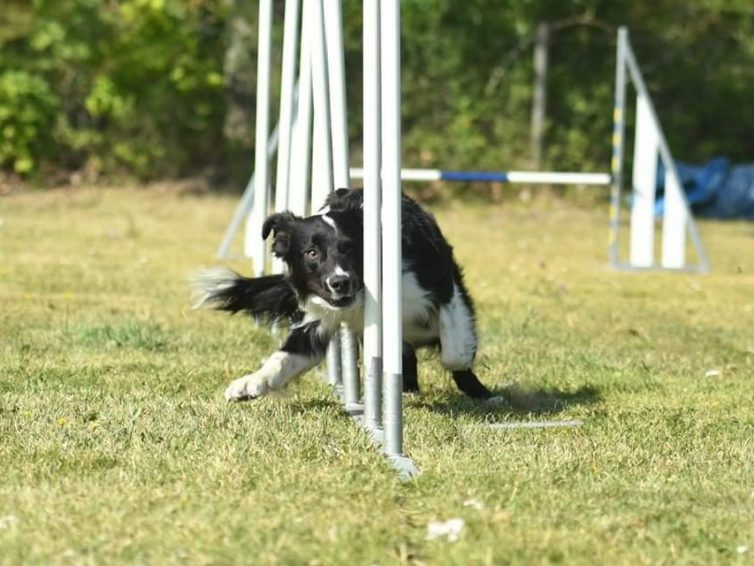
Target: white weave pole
(254, 246)
(244, 205)
(372, 228)
(322, 172)
(333, 20)
(287, 85)
(392, 339)
(300, 173)
(333, 26)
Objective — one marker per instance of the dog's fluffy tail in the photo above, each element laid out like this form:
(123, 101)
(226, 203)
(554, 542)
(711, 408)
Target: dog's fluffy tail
(270, 297)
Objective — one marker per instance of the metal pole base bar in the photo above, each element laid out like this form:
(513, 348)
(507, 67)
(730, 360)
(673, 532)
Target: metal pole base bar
(402, 464)
(405, 467)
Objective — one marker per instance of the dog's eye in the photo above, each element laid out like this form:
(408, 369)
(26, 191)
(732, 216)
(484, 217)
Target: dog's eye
(312, 253)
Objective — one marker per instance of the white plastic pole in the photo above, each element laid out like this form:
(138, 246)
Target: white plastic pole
(287, 82)
(245, 204)
(337, 90)
(421, 175)
(322, 174)
(301, 159)
(372, 230)
(287, 99)
(558, 178)
(392, 340)
(641, 253)
(675, 217)
(254, 245)
(333, 25)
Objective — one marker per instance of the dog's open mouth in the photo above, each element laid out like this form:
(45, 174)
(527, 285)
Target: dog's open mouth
(342, 302)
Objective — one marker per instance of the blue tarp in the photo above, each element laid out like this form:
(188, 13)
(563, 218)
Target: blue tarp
(716, 189)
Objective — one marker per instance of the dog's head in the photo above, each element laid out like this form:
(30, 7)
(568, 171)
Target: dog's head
(323, 254)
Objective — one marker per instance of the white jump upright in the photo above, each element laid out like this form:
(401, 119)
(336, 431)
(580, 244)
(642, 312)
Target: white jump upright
(650, 149)
(644, 183)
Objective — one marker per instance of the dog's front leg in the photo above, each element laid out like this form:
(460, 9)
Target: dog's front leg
(303, 349)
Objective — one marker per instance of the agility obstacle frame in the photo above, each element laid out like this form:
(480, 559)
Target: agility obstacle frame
(649, 143)
(313, 128)
(650, 149)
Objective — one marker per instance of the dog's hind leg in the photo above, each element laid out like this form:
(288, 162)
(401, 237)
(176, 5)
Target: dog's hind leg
(469, 383)
(410, 371)
(457, 333)
(303, 349)
(458, 344)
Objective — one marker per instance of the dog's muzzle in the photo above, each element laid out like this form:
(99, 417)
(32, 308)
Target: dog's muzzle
(342, 289)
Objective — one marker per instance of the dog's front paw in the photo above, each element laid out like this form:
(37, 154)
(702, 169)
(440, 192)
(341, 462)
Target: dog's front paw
(246, 387)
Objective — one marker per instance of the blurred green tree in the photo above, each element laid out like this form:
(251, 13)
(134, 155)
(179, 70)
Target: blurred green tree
(162, 88)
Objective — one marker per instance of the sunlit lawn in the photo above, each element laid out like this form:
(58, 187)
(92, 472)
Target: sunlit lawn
(116, 444)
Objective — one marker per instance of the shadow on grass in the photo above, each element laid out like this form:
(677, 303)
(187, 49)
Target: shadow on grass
(514, 400)
(300, 406)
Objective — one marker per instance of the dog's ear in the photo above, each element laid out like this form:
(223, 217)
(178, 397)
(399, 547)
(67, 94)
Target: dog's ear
(281, 225)
(338, 198)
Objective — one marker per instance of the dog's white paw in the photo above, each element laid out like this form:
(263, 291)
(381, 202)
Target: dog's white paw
(246, 387)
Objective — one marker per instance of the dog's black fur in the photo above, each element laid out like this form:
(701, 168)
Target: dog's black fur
(324, 288)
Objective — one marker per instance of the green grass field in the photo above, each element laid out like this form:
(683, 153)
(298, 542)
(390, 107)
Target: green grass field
(116, 445)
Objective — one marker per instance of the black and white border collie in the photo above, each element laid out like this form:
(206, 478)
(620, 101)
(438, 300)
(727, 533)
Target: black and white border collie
(323, 287)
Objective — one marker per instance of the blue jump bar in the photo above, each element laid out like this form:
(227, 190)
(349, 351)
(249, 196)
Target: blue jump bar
(474, 176)
(527, 177)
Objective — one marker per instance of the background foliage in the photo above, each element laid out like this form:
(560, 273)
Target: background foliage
(158, 88)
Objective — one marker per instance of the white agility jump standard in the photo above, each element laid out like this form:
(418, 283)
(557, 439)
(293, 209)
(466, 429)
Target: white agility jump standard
(650, 148)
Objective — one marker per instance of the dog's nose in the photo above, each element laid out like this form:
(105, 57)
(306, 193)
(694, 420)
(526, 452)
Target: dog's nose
(340, 284)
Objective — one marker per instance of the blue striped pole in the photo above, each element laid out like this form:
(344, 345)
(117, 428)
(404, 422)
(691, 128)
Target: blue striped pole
(526, 177)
